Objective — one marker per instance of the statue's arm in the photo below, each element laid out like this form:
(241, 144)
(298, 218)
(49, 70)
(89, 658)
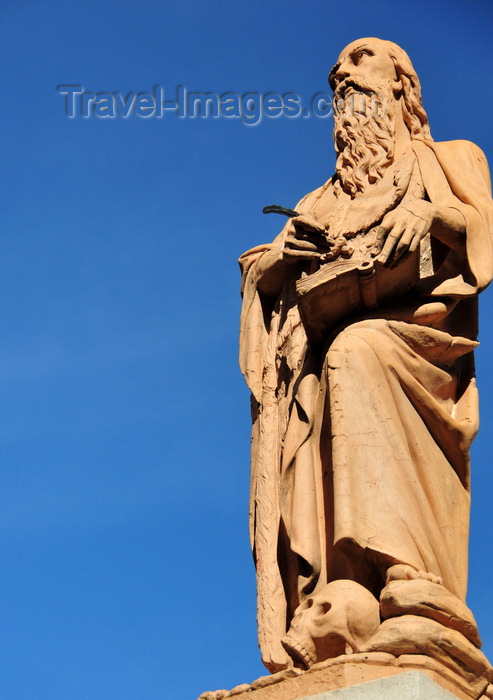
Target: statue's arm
(449, 227)
(272, 271)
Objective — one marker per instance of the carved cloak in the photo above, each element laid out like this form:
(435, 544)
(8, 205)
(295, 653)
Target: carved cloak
(362, 448)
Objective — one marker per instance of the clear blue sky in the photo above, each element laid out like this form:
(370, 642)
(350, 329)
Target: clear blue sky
(125, 570)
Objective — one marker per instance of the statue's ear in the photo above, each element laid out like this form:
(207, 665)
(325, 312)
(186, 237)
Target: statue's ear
(397, 84)
(397, 87)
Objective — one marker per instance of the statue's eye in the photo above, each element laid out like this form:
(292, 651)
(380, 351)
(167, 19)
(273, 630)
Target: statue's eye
(359, 55)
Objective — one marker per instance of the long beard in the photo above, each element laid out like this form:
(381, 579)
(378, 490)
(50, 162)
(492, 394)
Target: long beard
(364, 143)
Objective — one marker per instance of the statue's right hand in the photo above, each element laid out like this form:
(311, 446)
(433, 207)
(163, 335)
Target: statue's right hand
(305, 239)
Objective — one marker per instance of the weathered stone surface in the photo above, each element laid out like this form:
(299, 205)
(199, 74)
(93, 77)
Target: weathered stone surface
(406, 686)
(238, 689)
(410, 634)
(348, 671)
(275, 678)
(473, 688)
(419, 597)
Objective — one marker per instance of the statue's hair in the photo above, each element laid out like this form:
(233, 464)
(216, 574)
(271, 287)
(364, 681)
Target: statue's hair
(413, 111)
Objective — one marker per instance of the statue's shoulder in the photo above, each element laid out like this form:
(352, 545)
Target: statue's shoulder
(459, 148)
(463, 161)
(305, 203)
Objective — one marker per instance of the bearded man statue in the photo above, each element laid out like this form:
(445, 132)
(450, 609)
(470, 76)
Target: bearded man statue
(361, 431)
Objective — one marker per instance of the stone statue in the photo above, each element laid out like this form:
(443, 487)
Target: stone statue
(358, 328)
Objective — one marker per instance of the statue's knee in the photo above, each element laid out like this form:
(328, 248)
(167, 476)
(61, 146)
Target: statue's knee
(362, 337)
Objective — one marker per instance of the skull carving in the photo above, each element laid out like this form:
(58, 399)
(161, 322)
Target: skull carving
(337, 619)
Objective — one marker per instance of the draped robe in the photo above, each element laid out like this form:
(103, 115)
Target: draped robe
(360, 445)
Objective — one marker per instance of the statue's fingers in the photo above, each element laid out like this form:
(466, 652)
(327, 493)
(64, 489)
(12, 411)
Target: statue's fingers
(390, 243)
(308, 223)
(289, 230)
(300, 244)
(294, 255)
(380, 235)
(403, 244)
(414, 245)
(315, 238)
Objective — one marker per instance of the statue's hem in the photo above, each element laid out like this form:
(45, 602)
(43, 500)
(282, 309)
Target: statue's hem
(345, 671)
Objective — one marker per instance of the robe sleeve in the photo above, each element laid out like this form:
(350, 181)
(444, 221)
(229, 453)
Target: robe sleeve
(455, 174)
(253, 328)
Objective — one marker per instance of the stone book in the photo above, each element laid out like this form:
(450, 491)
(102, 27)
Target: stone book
(343, 288)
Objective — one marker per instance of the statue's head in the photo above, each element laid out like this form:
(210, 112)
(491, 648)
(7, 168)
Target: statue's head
(378, 63)
(365, 139)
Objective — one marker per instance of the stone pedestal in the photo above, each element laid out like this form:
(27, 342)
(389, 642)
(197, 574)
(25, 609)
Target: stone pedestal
(364, 676)
(405, 686)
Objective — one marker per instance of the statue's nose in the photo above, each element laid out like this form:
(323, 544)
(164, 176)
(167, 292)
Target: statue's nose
(341, 73)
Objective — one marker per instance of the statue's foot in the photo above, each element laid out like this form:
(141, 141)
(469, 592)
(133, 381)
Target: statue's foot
(413, 634)
(431, 600)
(405, 572)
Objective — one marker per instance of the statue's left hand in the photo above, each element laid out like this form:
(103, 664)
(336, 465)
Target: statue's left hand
(402, 230)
